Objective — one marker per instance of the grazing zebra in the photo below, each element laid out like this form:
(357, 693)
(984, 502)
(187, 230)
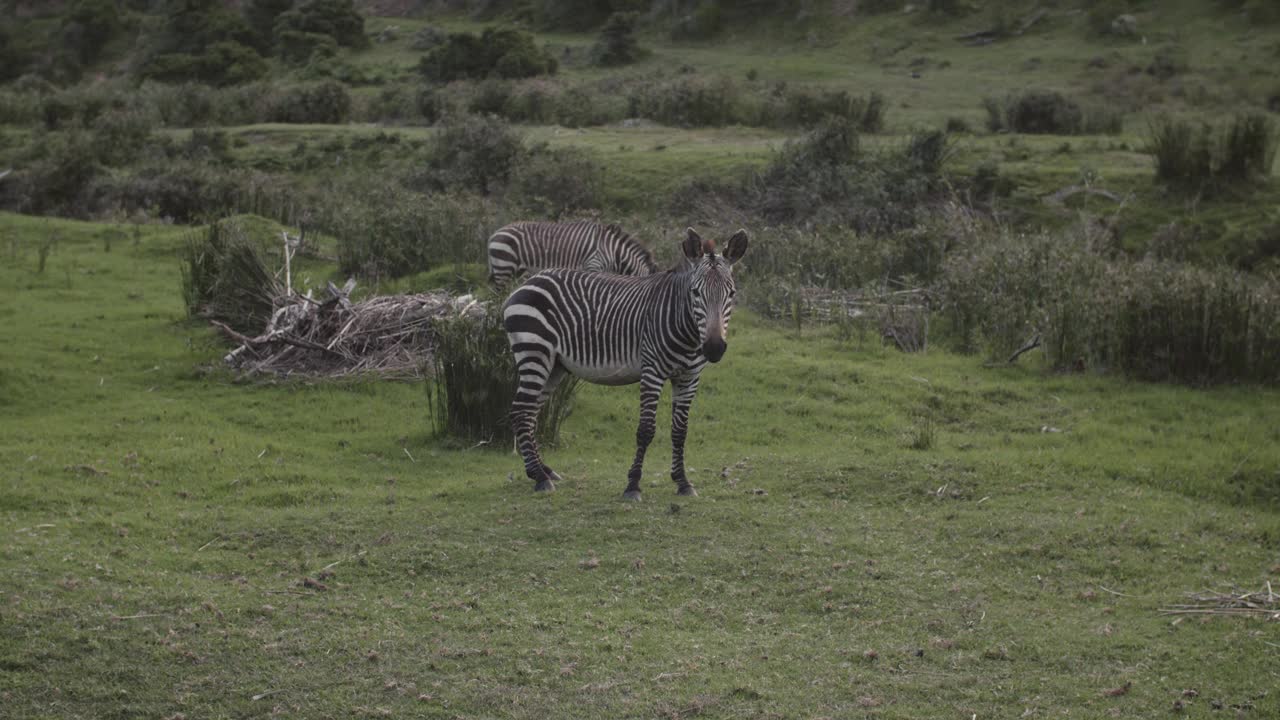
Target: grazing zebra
(586, 245)
(615, 330)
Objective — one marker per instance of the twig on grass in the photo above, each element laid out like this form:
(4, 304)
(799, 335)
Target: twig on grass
(138, 616)
(208, 543)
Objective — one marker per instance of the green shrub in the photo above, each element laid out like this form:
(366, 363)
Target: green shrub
(617, 43)
(705, 22)
(556, 182)
(1205, 158)
(55, 180)
(184, 192)
(472, 153)
(1103, 12)
(303, 47)
(336, 19)
(385, 231)
(121, 134)
(1050, 112)
(496, 52)
(473, 383)
(1155, 320)
(88, 26)
(685, 101)
(326, 102)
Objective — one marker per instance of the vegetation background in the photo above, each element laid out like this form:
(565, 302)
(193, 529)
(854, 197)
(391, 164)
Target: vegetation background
(896, 519)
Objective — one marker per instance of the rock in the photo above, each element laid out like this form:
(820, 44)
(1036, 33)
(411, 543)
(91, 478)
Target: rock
(1126, 25)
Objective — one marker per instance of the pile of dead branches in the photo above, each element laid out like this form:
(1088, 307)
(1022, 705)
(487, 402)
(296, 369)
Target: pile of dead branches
(1261, 604)
(334, 337)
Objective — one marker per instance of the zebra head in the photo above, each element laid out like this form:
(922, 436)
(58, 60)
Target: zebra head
(711, 288)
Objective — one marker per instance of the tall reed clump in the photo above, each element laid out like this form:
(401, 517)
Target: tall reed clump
(1207, 158)
(225, 278)
(1151, 319)
(474, 381)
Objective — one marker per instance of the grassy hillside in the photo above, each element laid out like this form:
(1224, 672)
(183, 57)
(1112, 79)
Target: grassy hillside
(877, 534)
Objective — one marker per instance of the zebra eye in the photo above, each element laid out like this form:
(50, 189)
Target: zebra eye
(696, 292)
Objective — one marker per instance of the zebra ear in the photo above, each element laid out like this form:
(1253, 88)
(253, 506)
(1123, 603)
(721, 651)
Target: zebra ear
(737, 247)
(692, 245)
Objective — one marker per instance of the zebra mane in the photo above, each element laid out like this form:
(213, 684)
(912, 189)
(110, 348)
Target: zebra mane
(623, 237)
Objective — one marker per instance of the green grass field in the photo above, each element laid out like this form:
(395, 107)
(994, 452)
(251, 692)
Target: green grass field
(878, 534)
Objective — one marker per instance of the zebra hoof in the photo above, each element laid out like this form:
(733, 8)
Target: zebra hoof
(631, 495)
(687, 490)
(544, 486)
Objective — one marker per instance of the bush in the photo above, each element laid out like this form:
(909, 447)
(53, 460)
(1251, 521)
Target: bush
(617, 43)
(1103, 12)
(473, 153)
(1051, 113)
(56, 180)
(556, 182)
(427, 37)
(326, 102)
(686, 102)
(336, 19)
(705, 22)
(385, 231)
(1205, 158)
(824, 178)
(474, 381)
(184, 192)
(300, 48)
(121, 134)
(496, 52)
(1151, 319)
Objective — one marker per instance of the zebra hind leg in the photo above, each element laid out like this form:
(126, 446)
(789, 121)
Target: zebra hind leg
(530, 393)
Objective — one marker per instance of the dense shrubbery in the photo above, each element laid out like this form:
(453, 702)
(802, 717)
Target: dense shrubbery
(326, 102)
(1206, 158)
(202, 41)
(824, 178)
(555, 182)
(617, 43)
(476, 153)
(384, 230)
(496, 52)
(1048, 112)
(1156, 320)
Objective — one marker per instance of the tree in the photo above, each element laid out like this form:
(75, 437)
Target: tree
(261, 16)
(501, 52)
(336, 18)
(203, 40)
(617, 42)
(89, 26)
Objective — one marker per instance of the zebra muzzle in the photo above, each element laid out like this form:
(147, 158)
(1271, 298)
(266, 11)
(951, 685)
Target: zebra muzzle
(714, 349)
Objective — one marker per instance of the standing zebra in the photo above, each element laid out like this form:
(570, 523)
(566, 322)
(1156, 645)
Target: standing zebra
(615, 330)
(587, 245)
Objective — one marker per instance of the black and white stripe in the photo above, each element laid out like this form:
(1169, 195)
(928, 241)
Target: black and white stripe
(532, 246)
(618, 330)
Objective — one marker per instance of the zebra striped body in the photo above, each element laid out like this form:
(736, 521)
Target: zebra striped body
(532, 246)
(617, 330)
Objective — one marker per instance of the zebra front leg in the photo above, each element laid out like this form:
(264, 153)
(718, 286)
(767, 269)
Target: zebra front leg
(683, 390)
(650, 390)
(534, 376)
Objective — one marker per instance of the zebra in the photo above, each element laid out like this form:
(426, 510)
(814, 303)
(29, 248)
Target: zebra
(618, 330)
(533, 246)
